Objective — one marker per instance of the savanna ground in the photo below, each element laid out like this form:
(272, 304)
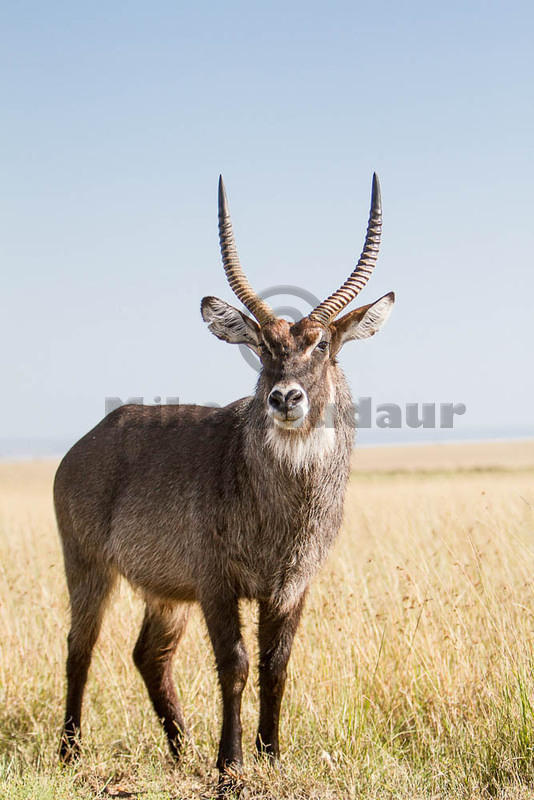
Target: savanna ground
(412, 675)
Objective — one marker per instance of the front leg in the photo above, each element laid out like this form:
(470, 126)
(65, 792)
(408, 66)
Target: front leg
(222, 618)
(275, 634)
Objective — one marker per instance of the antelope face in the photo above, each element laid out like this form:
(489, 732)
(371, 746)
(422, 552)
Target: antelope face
(298, 378)
(294, 383)
(297, 381)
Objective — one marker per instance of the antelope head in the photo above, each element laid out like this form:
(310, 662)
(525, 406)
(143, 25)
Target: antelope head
(298, 374)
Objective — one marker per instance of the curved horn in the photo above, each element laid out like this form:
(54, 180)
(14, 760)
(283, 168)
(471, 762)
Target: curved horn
(331, 307)
(236, 277)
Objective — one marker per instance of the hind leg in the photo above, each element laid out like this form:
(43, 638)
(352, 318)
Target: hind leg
(162, 629)
(89, 587)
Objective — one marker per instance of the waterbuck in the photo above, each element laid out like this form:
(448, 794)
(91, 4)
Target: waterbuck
(211, 505)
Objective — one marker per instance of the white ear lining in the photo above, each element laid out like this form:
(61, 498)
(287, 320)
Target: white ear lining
(371, 322)
(229, 324)
(374, 318)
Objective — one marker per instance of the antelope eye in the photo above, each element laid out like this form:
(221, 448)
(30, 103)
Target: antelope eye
(322, 346)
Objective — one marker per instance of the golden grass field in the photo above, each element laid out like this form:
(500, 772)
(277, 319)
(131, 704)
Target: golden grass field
(412, 675)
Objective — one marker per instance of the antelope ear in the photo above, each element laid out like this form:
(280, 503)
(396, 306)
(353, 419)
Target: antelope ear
(229, 324)
(362, 322)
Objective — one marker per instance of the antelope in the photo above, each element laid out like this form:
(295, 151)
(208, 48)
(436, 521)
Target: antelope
(214, 505)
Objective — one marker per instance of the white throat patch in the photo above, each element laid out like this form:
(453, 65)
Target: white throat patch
(301, 452)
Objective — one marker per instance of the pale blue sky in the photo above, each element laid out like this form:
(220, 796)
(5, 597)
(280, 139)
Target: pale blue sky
(116, 121)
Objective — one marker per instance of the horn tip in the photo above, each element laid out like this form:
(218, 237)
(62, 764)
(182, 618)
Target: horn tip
(222, 195)
(376, 194)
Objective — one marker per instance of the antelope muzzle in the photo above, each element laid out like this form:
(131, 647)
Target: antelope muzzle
(287, 405)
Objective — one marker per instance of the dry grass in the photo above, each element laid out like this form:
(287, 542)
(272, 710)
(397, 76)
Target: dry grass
(411, 677)
(451, 457)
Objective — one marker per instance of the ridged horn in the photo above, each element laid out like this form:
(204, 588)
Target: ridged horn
(331, 307)
(236, 277)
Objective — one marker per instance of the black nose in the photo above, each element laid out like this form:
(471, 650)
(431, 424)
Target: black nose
(283, 403)
(276, 400)
(293, 398)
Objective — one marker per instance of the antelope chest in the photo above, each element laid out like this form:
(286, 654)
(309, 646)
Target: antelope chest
(278, 563)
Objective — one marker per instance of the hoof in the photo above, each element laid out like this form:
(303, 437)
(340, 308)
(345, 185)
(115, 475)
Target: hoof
(69, 751)
(231, 783)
